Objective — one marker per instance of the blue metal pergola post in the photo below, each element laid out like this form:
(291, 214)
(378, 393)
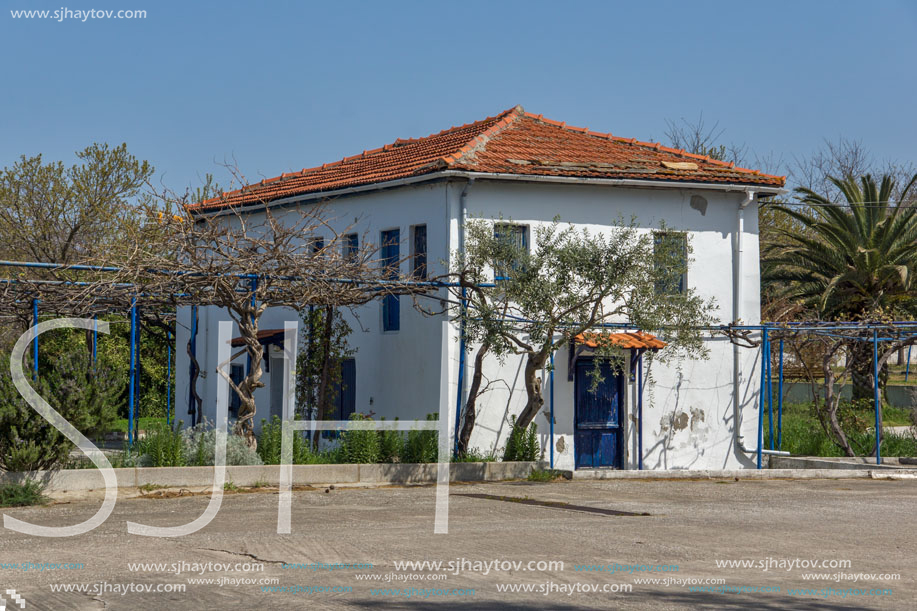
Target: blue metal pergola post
(770, 396)
(761, 394)
(169, 378)
(35, 340)
(780, 399)
(248, 361)
(132, 373)
(192, 408)
(95, 338)
(640, 411)
(461, 374)
(551, 424)
(875, 391)
(137, 369)
(907, 367)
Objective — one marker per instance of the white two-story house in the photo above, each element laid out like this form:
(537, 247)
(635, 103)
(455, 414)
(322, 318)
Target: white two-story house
(415, 194)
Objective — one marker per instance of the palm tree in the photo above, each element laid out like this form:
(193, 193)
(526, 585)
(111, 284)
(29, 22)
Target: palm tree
(853, 261)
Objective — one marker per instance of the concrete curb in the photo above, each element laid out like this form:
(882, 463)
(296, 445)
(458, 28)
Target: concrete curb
(71, 480)
(816, 462)
(745, 474)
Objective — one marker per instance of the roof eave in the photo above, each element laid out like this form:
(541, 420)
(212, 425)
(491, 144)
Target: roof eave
(759, 189)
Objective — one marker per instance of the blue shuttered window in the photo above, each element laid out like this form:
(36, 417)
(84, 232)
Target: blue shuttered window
(419, 252)
(391, 311)
(351, 246)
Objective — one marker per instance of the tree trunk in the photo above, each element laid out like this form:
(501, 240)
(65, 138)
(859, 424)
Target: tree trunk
(195, 408)
(831, 405)
(324, 397)
(534, 400)
(247, 408)
(473, 392)
(861, 371)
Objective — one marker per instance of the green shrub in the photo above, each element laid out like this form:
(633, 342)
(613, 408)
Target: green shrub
(391, 445)
(22, 494)
(475, 455)
(359, 447)
(522, 444)
(269, 445)
(422, 446)
(161, 447)
(85, 394)
(200, 442)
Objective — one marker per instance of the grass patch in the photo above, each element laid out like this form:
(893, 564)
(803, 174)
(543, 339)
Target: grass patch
(544, 475)
(25, 494)
(261, 484)
(143, 424)
(803, 435)
(151, 487)
(475, 455)
(230, 487)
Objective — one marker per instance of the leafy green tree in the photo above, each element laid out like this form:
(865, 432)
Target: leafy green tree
(319, 362)
(84, 393)
(850, 262)
(570, 282)
(57, 214)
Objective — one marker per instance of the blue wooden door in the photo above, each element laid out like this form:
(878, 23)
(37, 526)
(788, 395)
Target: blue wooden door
(598, 438)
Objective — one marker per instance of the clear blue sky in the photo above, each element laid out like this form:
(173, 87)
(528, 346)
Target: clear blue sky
(282, 85)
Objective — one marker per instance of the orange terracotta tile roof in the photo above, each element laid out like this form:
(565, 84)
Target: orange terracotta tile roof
(513, 142)
(635, 340)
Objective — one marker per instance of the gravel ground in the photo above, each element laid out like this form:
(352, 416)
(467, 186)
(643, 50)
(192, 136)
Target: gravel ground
(691, 524)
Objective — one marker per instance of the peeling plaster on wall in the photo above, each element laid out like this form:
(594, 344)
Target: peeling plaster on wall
(561, 446)
(679, 421)
(697, 419)
(692, 423)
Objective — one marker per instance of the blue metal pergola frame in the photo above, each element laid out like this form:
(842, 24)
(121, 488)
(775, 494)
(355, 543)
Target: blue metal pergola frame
(824, 328)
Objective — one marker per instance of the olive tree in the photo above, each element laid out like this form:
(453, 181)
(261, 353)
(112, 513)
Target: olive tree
(516, 300)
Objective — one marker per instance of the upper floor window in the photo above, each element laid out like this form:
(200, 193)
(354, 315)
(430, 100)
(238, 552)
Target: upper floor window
(391, 313)
(351, 246)
(316, 244)
(517, 238)
(419, 252)
(670, 257)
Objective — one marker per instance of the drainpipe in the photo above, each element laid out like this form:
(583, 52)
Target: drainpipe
(460, 394)
(737, 316)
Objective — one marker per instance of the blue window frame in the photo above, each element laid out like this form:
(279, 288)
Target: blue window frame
(351, 246)
(670, 254)
(517, 236)
(419, 252)
(391, 311)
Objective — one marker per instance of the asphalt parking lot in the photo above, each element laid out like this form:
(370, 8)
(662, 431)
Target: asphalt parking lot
(690, 525)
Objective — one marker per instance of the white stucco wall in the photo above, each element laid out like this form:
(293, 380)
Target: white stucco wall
(688, 415)
(688, 412)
